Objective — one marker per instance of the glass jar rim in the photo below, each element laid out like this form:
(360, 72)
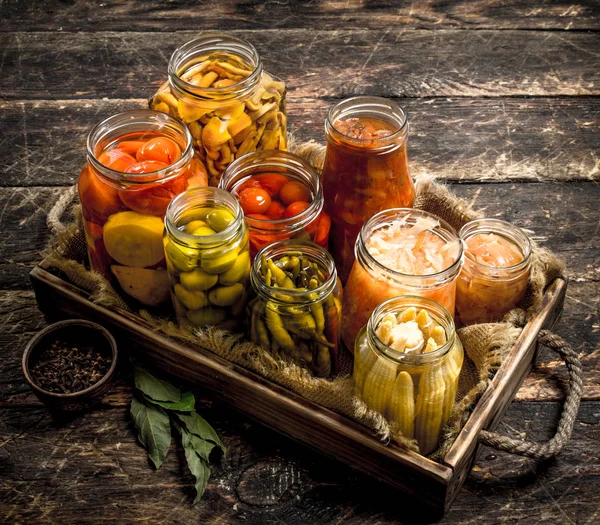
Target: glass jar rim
(361, 251)
(132, 117)
(316, 253)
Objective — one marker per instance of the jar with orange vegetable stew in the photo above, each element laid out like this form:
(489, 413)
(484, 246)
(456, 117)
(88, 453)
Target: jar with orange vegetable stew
(400, 251)
(218, 87)
(365, 170)
(137, 162)
(281, 196)
(495, 273)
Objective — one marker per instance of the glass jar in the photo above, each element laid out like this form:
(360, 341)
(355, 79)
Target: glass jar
(206, 248)
(495, 273)
(124, 199)
(412, 386)
(217, 86)
(297, 310)
(282, 198)
(365, 170)
(400, 251)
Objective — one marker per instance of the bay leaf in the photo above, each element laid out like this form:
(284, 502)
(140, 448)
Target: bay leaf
(197, 465)
(154, 429)
(195, 424)
(154, 387)
(185, 404)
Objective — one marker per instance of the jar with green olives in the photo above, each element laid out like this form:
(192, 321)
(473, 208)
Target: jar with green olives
(206, 250)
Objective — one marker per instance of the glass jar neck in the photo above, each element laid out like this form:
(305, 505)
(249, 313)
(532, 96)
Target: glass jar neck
(276, 161)
(182, 207)
(373, 107)
(131, 123)
(309, 250)
(410, 216)
(214, 47)
(397, 304)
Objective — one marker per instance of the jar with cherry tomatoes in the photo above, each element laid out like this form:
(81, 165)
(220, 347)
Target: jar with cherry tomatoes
(137, 161)
(281, 196)
(365, 169)
(218, 87)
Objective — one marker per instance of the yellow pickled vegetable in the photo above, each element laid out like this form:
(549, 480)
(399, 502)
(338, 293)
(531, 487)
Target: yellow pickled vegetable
(379, 384)
(429, 409)
(402, 405)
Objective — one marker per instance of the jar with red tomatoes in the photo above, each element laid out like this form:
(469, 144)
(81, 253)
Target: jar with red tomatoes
(281, 196)
(365, 170)
(137, 162)
(218, 87)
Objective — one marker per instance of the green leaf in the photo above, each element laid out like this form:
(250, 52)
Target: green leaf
(199, 426)
(197, 465)
(155, 388)
(185, 404)
(154, 429)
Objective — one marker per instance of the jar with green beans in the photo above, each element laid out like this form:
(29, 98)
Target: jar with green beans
(208, 258)
(297, 309)
(407, 361)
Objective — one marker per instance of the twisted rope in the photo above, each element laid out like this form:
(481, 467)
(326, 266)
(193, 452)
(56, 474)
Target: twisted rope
(564, 429)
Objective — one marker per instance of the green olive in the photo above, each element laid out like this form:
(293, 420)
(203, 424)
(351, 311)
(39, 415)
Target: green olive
(195, 214)
(191, 300)
(226, 295)
(220, 263)
(207, 316)
(219, 219)
(194, 225)
(203, 231)
(238, 272)
(182, 258)
(198, 279)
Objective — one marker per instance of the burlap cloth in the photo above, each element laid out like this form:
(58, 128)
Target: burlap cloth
(486, 345)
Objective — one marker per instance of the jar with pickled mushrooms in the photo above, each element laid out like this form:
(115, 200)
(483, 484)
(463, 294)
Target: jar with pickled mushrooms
(217, 86)
(495, 273)
(137, 162)
(297, 309)
(407, 362)
(206, 249)
(400, 251)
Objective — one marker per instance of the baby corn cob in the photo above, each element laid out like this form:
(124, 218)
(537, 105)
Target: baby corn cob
(429, 409)
(450, 370)
(379, 384)
(402, 405)
(363, 361)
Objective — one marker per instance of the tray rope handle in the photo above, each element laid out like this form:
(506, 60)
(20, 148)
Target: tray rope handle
(564, 429)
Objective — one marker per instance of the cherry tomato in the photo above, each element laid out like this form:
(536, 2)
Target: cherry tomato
(98, 199)
(276, 210)
(250, 183)
(162, 149)
(293, 191)
(146, 166)
(130, 146)
(153, 199)
(258, 216)
(295, 209)
(323, 227)
(116, 160)
(254, 200)
(273, 182)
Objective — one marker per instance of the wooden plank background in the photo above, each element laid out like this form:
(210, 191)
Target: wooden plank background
(503, 104)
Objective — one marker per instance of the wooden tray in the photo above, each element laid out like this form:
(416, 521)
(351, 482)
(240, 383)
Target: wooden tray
(437, 484)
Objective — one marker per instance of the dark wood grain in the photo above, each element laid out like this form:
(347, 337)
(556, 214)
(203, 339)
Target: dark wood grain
(340, 63)
(86, 15)
(509, 139)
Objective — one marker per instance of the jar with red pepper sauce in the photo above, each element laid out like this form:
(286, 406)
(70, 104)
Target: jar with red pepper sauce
(281, 196)
(365, 169)
(137, 162)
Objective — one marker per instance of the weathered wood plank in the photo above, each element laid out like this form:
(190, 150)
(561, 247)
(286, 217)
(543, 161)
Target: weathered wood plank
(461, 139)
(86, 15)
(327, 64)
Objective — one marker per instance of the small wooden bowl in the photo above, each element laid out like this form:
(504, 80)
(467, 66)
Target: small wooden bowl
(75, 332)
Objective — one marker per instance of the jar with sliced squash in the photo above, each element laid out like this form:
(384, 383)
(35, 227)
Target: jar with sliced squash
(137, 161)
(208, 258)
(217, 86)
(407, 362)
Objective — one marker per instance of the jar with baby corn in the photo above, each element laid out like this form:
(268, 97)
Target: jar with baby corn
(217, 86)
(407, 361)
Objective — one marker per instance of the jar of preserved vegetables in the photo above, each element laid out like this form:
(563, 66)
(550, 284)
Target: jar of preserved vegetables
(495, 273)
(365, 170)
(206, 248)
(407, 361)
(217, 86)
(281, 196)
(137, 161)
(400, 251)
(297, 310)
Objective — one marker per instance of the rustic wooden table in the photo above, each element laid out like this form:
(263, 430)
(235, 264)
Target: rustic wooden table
(503, 103)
